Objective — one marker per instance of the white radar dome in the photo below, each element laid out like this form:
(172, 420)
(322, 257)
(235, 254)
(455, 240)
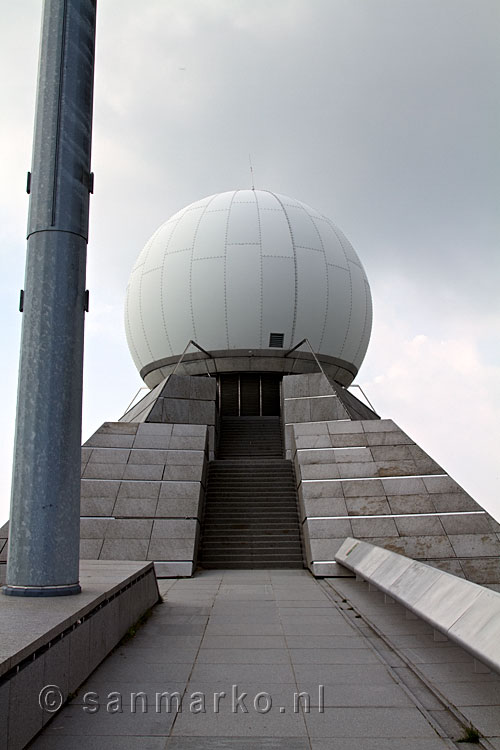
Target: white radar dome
(248, 274)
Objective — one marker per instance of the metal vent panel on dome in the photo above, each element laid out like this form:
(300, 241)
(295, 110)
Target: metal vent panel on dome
(276, 340)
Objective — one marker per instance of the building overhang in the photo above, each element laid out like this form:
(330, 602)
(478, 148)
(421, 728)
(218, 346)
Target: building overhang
(248, 360)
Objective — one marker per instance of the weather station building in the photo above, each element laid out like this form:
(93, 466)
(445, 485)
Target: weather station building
(248, 315)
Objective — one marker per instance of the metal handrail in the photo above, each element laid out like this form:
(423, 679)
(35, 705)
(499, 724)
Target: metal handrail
(190, 342)
(201, 349)
(364, 394)
(305, 341)
(142, 388)
(332, 387)
(334, 390)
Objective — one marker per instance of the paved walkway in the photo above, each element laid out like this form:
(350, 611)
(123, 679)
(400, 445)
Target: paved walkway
(238, 646)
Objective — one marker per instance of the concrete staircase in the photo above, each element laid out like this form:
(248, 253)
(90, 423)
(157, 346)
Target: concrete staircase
(251, 518)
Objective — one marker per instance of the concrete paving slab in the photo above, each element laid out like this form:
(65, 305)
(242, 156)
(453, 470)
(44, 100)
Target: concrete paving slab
(386, 743)
(243, 656)
(272, 627)
(485, 718)
(142, 640)
(165, 655)
(252, 723)
(238, 743)
(325, 641)
(355, 674)
(355, 696)
(98, 743)
(112, 671)
(333, 656)
(369, 722)
(247, 642)
(317, 628)
(300, 604)
(476, 694)
(447, 654)
(75, 721)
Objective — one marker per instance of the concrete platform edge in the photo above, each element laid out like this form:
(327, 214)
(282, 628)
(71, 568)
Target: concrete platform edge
(59, 642)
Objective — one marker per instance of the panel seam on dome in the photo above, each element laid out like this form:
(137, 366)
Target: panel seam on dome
(162, 285)
(149, 245)
(261, 264)
(235, 192)
(337, 235)
(362, 340)
(313, 249)
(206, 257)
(327, 280)
(191, 261)
(335, 265)
(142, 319)
(127, 325)
(294, 323)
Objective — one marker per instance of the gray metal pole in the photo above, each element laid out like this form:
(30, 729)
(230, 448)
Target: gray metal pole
(44, 535)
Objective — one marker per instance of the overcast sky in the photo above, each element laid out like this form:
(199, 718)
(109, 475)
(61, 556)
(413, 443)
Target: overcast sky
(382, 114)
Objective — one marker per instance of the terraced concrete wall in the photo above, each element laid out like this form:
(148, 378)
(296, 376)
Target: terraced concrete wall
(180, 399)
(369, 480)
(143, 488)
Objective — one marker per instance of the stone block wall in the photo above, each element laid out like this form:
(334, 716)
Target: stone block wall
(142, 494)
(180, 399)
(369, 480)
(308, 398)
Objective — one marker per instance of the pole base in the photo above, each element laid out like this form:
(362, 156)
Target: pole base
(66, 590)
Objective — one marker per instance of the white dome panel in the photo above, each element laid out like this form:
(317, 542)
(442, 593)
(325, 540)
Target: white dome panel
(175, 301)
(155, 249)
(244, 196)
(210, 240)
(339, 308)
(220, 201)
(278, 298)
(275, 233)
(243, 289)
(333, 249)
(137, 334)
(234, 267)
(268, 200)
(185, 229)
(358, 313)
(311, 296)
(243, 224)
(208, 301)
(348, 248)
(151, 299)
(303, 230)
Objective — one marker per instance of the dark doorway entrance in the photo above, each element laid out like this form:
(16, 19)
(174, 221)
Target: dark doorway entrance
(250, 395)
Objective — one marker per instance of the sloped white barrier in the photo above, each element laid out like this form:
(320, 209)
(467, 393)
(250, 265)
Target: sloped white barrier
(463, 611)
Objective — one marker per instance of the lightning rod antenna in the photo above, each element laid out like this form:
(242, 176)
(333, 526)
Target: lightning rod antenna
(251, 170)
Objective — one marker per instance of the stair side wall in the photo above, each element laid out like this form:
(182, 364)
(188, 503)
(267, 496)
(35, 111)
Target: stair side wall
(143, 491)
(180, 399)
